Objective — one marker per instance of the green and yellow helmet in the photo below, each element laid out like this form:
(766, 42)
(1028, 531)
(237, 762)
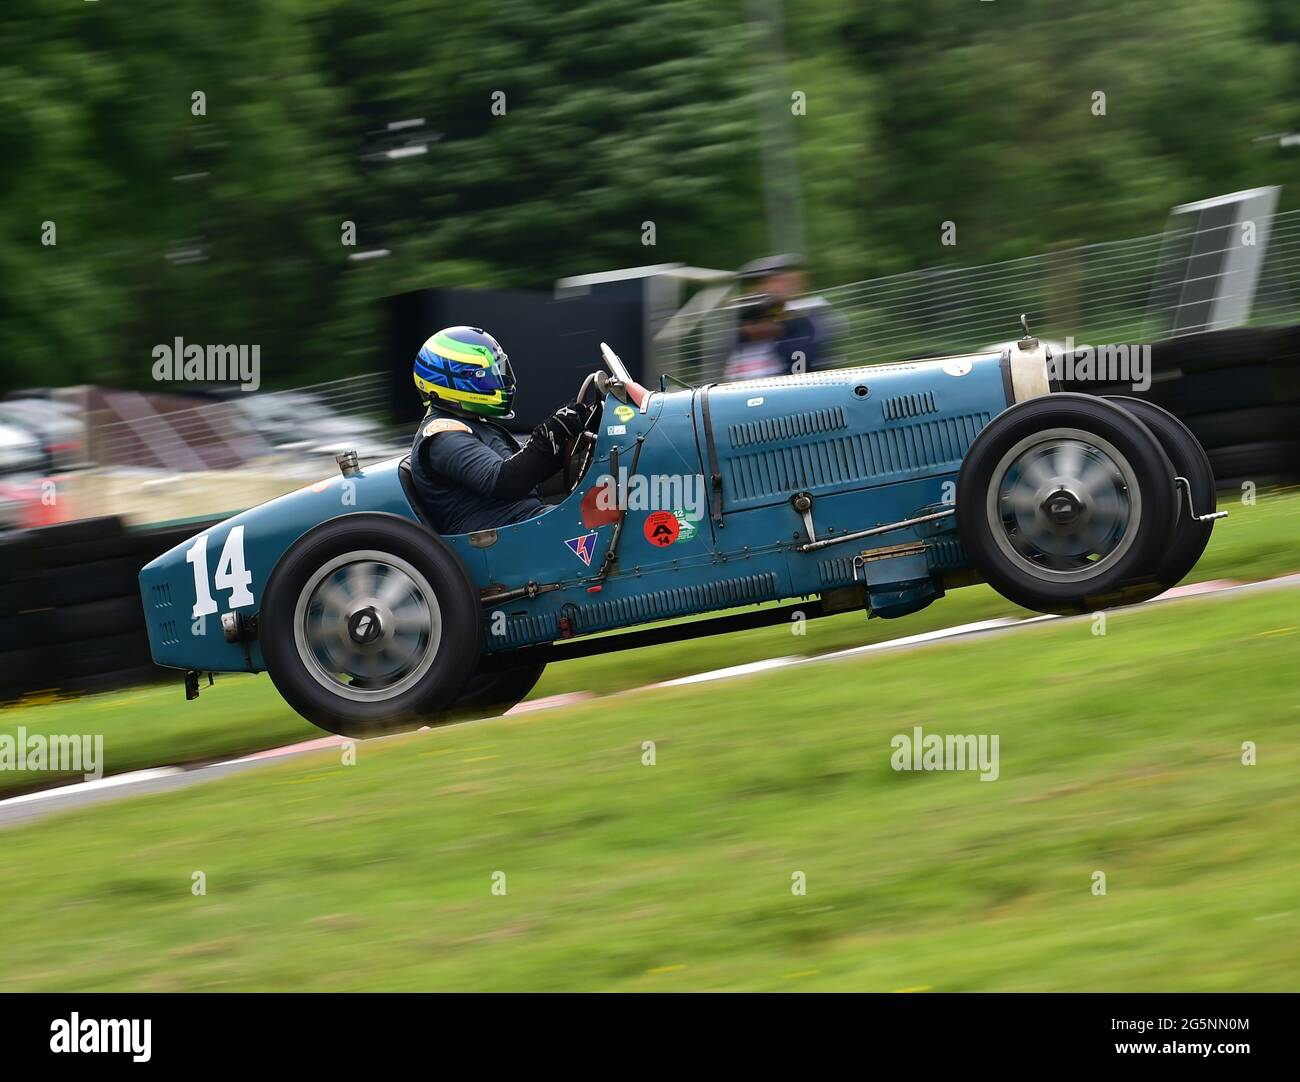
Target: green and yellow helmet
(464, 369)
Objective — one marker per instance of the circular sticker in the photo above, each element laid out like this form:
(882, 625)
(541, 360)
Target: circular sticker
(624, 413)
(957, 368)
(661, 528)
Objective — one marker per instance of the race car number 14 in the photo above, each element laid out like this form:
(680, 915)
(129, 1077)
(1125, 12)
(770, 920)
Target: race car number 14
(231, 574)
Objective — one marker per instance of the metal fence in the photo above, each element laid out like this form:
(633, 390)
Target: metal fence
(1097, 293)
(139, 430)
(1115, 292)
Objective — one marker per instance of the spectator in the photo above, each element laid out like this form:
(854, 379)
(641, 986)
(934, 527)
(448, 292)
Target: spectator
(781, 328)
(758, 338)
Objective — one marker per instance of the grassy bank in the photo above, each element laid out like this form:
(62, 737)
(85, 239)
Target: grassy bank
(154, 726)
(1119, 754)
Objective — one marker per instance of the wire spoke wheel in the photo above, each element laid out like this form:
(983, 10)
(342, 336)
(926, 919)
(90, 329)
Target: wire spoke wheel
(367, 625)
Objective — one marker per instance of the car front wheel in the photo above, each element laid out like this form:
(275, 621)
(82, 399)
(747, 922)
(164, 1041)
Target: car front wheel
(370, 625)
(1065, 502)
(496, 691)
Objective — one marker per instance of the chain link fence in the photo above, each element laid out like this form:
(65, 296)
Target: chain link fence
(1115, 292)
(157, 457)
(156, 432)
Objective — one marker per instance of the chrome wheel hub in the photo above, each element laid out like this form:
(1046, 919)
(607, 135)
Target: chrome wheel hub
(1062, 507)
(367, 626)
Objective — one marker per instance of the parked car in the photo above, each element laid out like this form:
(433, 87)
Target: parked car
(58, 428)
(20, 451)
(22, 462)
(303, 424)
(875, 488)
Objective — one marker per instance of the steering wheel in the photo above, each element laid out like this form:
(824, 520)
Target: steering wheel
(578, 451)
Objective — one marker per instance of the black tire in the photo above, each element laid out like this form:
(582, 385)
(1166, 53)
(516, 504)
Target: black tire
(109, 618)
(24, 630)
(22, 671)
(496, 692)
(1216, 350)
(1163, 393)
(24, 595)
(19, 560)
(1189, 537)
(110, 548)
(82, 530)
(78, 659)
(1264, 458)
(140, 546)
(92, 582)
(1141, 494)
(1229, 427)
(354, 706)
(1248, 387)
(1234, 487)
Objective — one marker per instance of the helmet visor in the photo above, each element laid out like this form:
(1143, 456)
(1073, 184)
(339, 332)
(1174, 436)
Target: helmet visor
(479, 380)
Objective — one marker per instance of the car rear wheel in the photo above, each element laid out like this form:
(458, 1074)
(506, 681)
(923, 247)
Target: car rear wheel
(370, 625)
(1064, 502)
(1189, 536)
(496, 692)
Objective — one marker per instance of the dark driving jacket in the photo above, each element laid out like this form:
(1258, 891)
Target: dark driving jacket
(457, 474)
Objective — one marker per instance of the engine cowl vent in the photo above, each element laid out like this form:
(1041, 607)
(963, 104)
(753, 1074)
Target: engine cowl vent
(909, 405)
(847, 460)
(787, 427)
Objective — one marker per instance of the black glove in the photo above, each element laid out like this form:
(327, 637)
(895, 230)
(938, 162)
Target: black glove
(562, 426)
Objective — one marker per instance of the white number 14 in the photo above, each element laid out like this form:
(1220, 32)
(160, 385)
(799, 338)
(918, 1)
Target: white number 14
(231, 574)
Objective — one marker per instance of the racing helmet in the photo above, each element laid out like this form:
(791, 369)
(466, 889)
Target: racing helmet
(465, 370)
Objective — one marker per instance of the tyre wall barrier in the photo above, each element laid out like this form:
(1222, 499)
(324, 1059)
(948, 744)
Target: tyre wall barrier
(1237, 390)
(70, 612)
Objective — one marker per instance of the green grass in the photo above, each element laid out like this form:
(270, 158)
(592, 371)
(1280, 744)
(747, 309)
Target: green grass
(154, 726)
(1119, 753)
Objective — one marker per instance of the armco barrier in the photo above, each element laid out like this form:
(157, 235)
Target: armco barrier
(70, 611)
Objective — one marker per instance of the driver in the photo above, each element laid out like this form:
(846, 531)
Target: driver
(470, 473)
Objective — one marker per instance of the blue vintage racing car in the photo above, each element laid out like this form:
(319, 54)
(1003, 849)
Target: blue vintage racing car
(876, 488)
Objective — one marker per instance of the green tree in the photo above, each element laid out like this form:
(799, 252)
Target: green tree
(985, 115)
(609, 114)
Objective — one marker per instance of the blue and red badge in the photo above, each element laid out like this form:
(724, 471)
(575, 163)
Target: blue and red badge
(583, 547)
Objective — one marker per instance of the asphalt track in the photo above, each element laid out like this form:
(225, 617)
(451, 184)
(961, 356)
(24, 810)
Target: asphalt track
(37, 805)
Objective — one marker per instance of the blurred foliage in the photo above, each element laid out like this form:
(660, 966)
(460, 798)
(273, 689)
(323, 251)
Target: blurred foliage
(617, 112)
(982, 114)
